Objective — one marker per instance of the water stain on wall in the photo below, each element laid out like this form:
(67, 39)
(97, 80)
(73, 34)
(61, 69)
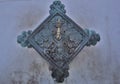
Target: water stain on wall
(90, 66)
(30, 17)
(95, 64)
(27, 20)
(35, 74)
(108, 35)
(116, 75)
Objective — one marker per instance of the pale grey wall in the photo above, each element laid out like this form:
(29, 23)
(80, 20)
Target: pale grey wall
(94, 65)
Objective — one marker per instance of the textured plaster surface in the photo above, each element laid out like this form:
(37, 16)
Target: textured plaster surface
(94, 65)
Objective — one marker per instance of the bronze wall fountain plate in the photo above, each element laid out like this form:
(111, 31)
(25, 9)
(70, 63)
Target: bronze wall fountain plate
(58, 40)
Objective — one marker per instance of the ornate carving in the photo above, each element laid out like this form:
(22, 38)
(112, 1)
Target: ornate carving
(57, 6)
(58, 40)
(23, 39)
(93, 37)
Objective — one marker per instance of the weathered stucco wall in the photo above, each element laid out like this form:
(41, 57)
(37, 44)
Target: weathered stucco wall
(94, 65)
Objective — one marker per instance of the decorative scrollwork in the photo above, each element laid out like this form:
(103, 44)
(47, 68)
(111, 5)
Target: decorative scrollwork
(57, 6)
(59, 76)
(93, 37)
(23, 39)
(70, 45)
(58, 40)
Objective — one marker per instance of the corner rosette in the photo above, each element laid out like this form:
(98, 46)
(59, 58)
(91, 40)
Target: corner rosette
(57, 6)
(93, 37)
(23, 39)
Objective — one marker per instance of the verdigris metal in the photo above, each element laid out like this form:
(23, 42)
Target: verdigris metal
(58, 40)
(22, 39)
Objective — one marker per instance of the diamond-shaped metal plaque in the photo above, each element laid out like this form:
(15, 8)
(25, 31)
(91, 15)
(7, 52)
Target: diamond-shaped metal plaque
(58, 52)
(58, 40)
